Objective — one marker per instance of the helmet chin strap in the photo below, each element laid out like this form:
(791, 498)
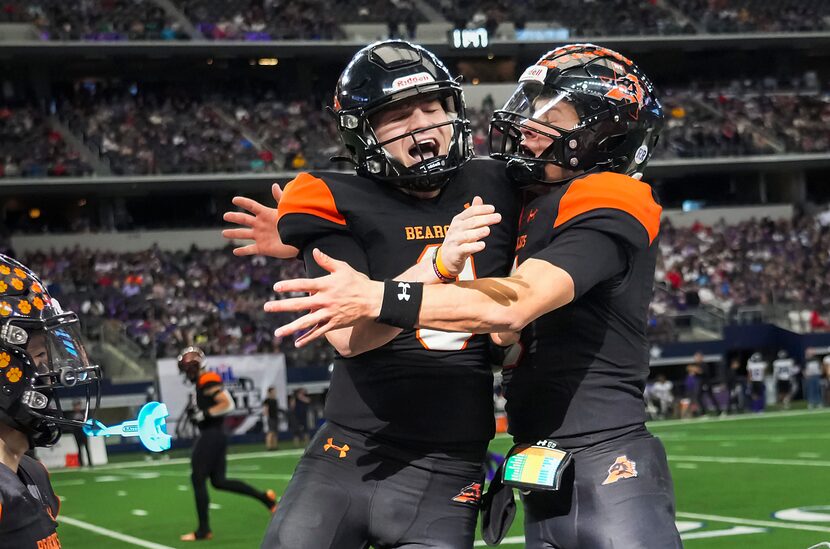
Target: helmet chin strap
(37, 431)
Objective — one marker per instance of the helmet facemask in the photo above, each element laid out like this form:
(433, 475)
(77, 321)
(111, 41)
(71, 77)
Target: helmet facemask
(46, 361)
(619, 118)
(431, 169)
(580, 147)
(378, 77)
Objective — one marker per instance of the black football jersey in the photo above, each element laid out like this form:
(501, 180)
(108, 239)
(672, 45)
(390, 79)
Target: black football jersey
(206, 383)
(584, 365)
(427, 389)
(28, 507)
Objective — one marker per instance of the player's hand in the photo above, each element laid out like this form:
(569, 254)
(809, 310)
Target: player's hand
(260, 225)
(505, 339)
(337, 300)
(466, 233)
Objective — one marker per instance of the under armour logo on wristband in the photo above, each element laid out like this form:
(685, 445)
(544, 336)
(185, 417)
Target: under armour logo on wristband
(404, 295)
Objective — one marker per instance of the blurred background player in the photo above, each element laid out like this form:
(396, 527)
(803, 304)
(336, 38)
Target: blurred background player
(736, 387)
(209, 457)
(812, 379)
(784, 370)
(271, 412)
(41, 354)
(662, 396)
(298, 404)
(705, 380)
(756, 369)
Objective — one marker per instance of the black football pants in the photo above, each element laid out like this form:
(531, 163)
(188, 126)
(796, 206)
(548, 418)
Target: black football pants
(348, 493)
(616, 494)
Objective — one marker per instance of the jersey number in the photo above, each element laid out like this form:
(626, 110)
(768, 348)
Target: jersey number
(436, 340)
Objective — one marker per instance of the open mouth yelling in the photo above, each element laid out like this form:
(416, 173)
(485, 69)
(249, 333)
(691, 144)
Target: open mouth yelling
(424, 149)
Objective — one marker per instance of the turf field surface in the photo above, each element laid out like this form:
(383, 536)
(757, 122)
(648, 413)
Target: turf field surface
(756, 480)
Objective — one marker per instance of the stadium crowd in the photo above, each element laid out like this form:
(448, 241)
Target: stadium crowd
(168, 300)
(753, 263)
(312, 20)
(263, 20)
(115, 20)
(32, 148)
(141, 130)
(209, 297)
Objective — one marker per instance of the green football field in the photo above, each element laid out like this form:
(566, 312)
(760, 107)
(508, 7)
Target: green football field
(760, 481)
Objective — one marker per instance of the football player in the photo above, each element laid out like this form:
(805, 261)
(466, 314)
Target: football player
(41, 355)
(209, 458)
(409, 412)
(576, 134)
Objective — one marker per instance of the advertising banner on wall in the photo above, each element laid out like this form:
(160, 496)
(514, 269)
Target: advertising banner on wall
(247, 378)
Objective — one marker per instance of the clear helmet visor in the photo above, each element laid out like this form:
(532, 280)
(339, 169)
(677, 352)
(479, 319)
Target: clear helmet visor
(532, 119)
(62, 366)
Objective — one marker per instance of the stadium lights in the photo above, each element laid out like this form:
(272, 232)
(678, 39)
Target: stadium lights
(268, 62)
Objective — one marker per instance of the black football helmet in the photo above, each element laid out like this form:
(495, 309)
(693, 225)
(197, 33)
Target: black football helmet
(381, 75)
(42, 358)
(620, 117)
(191, 361)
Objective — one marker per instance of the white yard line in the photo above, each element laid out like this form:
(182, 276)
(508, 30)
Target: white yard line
(738, 417)
(734, 531)
(514, 540)
(751, 460)
(176, 461)
(752, 522)
(730, 440)
(62, 519)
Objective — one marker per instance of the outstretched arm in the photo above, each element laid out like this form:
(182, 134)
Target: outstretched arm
(481, 306)
(259, 225)
(554, 277)
(463, 238)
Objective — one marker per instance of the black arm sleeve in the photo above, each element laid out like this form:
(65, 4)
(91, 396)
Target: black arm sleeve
(338, 245)
(589, 256)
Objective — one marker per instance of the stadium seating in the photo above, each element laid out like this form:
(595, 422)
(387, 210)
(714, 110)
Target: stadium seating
(94, 19)
(32, 148)
(141, 130)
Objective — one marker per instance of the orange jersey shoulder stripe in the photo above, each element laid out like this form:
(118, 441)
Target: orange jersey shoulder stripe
(209, 377)
(310, 195)
(614, 191)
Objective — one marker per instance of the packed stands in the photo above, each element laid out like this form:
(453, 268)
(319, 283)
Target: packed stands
(762, 262)
(140, 129)
(32, 148)
(113, 20)
(168, 300)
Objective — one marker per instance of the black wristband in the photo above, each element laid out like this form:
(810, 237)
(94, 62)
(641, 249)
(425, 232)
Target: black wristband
(401, 303)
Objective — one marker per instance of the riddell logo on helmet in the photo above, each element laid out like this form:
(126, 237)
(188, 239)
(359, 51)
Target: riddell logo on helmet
(412, 80)
(536, 73)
